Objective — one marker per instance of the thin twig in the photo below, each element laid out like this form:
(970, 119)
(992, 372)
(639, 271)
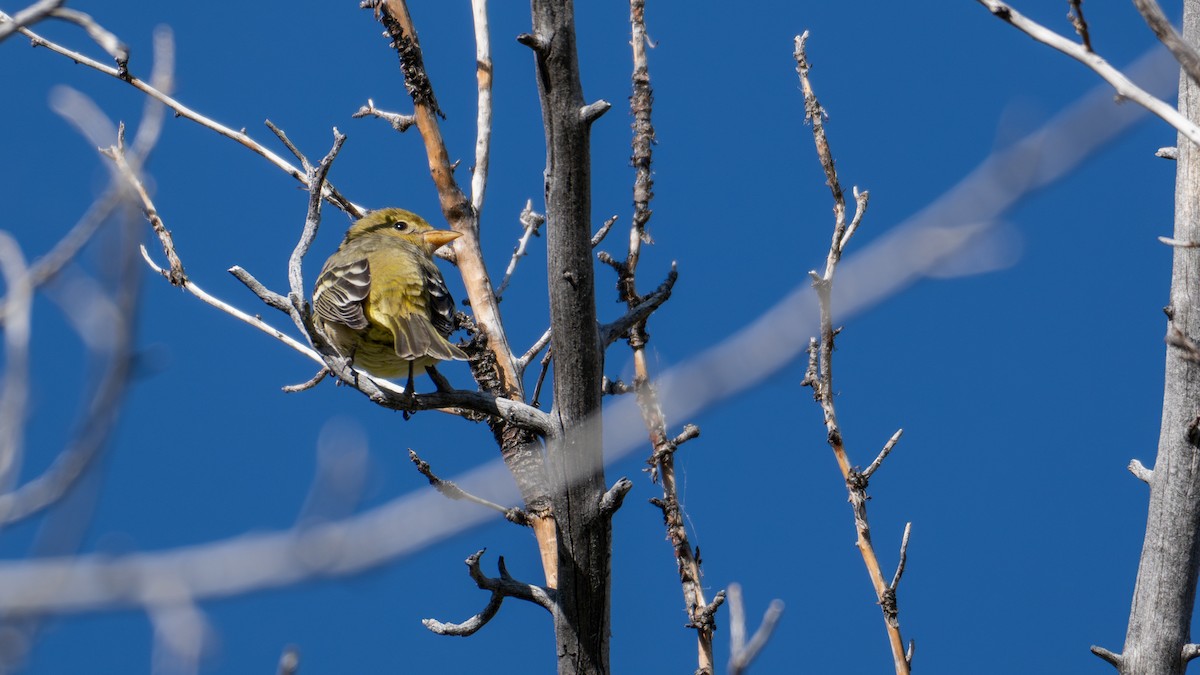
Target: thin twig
(535, 349)
(1075, 15)
(307, 384)
(316, 182)
(819, 374)
(398, 121)
(531, 222)
(503, 587)
(887, 449)
(483, 119)
(175, 274)
(452, 491)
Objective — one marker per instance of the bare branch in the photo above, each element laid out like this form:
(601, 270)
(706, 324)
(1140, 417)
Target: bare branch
(638, 313)
(534, 350)
(887, 449)
(819, 374)
(312, 221)
(399, 122)
(483, 117)
(531, 221)
(307, 384)
(1079, 23)
(271, 298)
(175, 274)
(903, 558)
(1124, 86)
(452, 491)
(503, 587)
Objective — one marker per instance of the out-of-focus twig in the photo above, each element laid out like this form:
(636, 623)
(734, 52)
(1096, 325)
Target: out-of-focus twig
(741, 652)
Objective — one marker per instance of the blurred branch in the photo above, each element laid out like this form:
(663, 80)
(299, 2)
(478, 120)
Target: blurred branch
(27, 17)
(741, 653)
(1124, 86)
(819, 374)
(14, 398)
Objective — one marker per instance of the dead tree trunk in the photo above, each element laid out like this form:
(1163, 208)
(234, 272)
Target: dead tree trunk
(575, 452)
(1157, 641)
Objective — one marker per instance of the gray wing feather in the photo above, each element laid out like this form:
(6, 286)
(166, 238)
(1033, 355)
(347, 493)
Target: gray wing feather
(341, 291)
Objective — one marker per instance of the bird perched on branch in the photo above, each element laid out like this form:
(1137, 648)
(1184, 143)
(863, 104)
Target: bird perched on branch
(381, 300)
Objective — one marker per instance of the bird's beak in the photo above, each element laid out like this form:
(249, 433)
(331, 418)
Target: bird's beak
(438, 238)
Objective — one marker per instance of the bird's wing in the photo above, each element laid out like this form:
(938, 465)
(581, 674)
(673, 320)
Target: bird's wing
(441, 305)
(341, 291)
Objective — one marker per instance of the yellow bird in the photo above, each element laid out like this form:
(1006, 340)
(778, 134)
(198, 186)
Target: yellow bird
(381, 300)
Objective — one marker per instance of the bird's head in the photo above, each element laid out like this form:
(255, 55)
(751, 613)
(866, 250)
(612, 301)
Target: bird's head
(401, 224)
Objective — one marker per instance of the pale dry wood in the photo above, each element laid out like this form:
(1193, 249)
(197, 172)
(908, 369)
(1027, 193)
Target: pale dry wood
(819, 374)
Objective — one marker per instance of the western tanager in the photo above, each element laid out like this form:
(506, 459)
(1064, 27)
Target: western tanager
(381, 300)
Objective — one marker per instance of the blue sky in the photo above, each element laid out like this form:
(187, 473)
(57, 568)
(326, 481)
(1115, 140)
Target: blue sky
(1023, 392)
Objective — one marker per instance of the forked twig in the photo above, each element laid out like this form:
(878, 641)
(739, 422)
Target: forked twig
(819, 374)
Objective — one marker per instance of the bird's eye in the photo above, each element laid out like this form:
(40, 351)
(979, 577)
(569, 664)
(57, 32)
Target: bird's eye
(401, 225)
